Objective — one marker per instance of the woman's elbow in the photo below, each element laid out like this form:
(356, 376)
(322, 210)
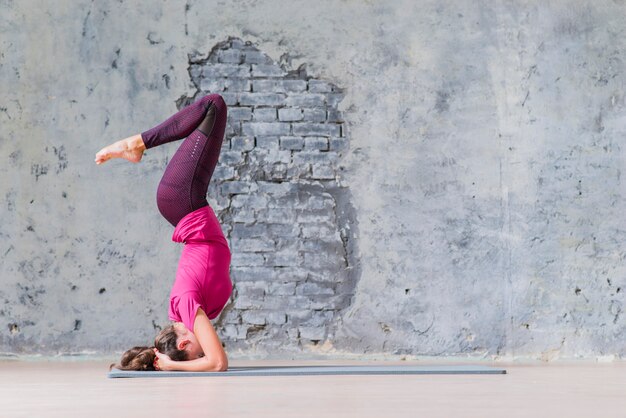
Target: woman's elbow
(221, 367)
(217, 366)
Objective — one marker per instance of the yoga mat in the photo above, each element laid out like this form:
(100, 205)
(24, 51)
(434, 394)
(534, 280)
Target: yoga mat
(318, 370)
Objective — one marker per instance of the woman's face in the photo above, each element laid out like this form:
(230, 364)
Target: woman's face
(187, 341)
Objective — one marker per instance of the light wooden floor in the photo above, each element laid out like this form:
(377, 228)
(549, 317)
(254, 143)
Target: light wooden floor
(81, 389)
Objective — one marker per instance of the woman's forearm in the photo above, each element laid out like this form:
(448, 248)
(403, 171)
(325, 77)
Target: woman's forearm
(202, 364)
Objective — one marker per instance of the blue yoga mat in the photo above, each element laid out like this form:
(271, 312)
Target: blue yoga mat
(318, 370)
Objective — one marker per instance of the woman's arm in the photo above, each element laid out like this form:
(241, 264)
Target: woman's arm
(214, 359)
(209, 341)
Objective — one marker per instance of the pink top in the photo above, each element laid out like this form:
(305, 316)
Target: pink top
(202, 278)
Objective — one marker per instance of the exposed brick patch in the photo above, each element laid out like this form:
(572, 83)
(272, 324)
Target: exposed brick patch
(279, 196)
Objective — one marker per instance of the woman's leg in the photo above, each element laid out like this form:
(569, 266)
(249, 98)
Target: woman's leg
(186, 178)
(177, 126)
(181, 124)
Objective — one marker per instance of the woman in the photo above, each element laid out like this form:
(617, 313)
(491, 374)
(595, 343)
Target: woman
(202, 285)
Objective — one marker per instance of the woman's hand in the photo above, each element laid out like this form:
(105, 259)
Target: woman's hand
(162, 361)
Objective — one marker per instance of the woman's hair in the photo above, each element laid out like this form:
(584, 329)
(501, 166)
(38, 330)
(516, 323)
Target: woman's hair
(142, 358)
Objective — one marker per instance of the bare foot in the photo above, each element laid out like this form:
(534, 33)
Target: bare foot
(130, 148)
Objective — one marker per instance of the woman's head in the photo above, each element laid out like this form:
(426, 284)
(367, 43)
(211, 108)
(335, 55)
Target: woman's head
(187, 341)
(175, 340)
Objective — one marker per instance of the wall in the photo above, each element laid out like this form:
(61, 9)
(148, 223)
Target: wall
(467, 178)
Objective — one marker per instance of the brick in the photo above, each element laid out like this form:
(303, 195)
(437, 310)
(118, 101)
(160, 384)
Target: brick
(284, 258)
(225, 84)
(231, 157)
(230, 56)
(280, 288)
(276, 215)
(334, 115)
(316, 129)
(248, 302)
(253, 244)
(323, 261)
(249, 231)
(264, 70)
(316, 245)
(279, 86)
(330, 302)
(212, 84)
(230, 316)
(264, 114)
(312, 333)
(223, 172)
(309, 288)
(290, 114)
(276, 318)
(276, 172)
(253, 274)
(333, 99)
(338, 144)
(231, 99)
(278, 156)
(299, 171)
(237, 187)
(239, 113)
(242, 215)
(225, 70)
(325, 276)
(316, 143)
(321, 201)
(264, 99)
(237, 84)
(242, 143)
(307, 217)
(318, 86)
(319, 318)
(292, 274)
(276, 189)
(319, 231)
(295, 143)
(247, 259)
(252, 288)
(282, 302)
(219, 204)
(256, 57)
(322, 172)
(265, 128)
(253, 317)
(234, 332)
(297, 316)
(233, 127)
(314, 157)
(315, 115)
(264, 316)
(267, 142)
(305, 100)
(283, 229)
(253, 201)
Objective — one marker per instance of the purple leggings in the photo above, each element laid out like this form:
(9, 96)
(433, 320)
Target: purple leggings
(185, 181)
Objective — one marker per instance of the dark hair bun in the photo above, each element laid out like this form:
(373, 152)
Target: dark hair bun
(137, 358)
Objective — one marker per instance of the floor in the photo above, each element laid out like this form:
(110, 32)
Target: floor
(81, 389)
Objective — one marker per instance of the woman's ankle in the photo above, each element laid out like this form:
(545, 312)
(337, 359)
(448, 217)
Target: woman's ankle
(136, 143)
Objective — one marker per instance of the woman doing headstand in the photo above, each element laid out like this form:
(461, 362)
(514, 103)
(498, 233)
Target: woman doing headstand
(202, 286)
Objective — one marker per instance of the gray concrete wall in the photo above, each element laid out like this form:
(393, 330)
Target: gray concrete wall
(474, 205)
